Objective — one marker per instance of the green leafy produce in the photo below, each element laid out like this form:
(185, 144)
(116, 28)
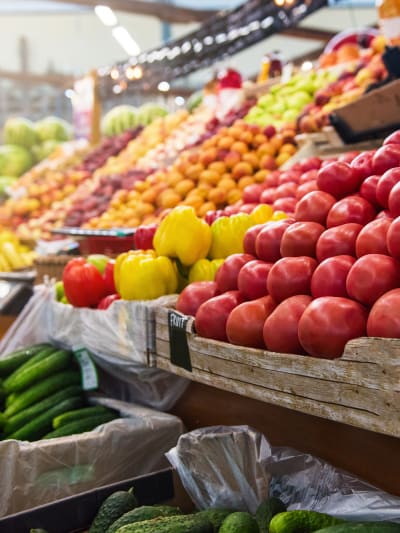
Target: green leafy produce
(111, 509)
(239, 522)
(23, 417)
(304, 521)
(41, 390)
(140, 514)
(362, 527)
(53, 129)
(40, 425)
(20, 131)
(266, 511)
(14, 160)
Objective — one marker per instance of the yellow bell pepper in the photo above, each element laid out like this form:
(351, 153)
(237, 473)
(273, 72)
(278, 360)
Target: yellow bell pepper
(142, 275)
(204, 270)
(279, 215)
(228, 234)
(262, 213)
(183, 235)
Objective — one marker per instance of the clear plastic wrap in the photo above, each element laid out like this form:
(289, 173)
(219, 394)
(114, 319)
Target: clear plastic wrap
(232, 466)
(121, 339)
(35, 473)
(223, 466)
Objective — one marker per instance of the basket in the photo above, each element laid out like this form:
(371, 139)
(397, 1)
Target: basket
(51, 266)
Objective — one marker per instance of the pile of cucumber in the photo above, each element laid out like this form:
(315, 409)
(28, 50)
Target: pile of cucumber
(42, 396)
(120, 513)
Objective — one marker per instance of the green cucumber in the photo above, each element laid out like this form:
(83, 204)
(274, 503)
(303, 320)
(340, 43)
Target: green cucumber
(266, 511)
(10, 398)
(80, 426)
(362, 527)
(117, 504)
(40, 425)
(301, 522)
(14, 360)
(140, 514)
(23, 417)
(41, 390)
(170, 524)
(239, 522)
(24, 377)
(79, 414)
(216, 516)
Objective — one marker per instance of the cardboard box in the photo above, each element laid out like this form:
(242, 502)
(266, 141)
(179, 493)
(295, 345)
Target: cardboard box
(375, 114)
(35, 473)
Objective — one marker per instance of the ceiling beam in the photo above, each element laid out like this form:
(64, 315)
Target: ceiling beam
(165, 12)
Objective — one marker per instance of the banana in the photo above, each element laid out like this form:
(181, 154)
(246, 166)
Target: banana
(12, 255)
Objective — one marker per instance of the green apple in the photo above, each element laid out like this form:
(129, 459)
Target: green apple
(60, 294)
(290, 115)
(99, 261)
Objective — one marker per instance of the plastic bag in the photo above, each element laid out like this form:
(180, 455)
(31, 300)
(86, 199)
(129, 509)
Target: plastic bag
(30, 327)
(223, 466)
(232, 467)
(303, 481)
(39, 472)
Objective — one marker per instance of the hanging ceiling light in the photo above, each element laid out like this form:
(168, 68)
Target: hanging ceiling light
(125, 39)
(106, 15)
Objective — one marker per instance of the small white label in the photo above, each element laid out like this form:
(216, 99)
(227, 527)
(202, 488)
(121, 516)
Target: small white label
(90, 380)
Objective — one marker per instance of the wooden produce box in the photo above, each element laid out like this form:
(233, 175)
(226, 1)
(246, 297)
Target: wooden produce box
(361, 389)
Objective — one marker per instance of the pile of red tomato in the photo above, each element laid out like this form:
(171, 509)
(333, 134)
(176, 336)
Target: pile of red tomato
(329, 273)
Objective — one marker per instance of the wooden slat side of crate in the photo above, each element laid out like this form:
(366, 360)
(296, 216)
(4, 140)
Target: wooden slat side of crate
(362, 388)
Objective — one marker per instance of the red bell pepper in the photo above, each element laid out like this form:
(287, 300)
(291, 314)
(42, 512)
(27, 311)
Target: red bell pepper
(108, 276)
(143, 238)
(108, 300)
(84, 286)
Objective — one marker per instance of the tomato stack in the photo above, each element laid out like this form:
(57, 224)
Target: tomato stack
(328, 274)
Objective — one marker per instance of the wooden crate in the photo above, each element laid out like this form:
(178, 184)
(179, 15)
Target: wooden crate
(362, 388)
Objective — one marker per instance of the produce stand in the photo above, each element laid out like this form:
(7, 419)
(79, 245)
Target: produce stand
(361, 388)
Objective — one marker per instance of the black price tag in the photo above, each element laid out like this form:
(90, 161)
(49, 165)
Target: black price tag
(178, 345)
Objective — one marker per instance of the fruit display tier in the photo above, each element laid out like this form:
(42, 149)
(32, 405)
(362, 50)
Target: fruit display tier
(360, 389)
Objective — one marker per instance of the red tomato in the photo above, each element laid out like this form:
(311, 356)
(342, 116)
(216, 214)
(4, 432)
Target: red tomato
(247, 208)
(338, 179)
(340, 240)
(287, 205)
(305, 188)
(268, 241)
(393, 238)
(226, 277)
(289, 176)
(394, 200)
(272, 179)
(386, 183)
(384, 317)
(368, 189)
(107, 301)
(252, 279)
(362, 164)
(281, 327)
(386, 157)
(372, 238)
(290, 276)
(314, 207)
(310, 175)
(246, 321)
(84, 286)
(393, 138)
(301, 238)
(249, 241)
(211, 316)
(286, 190)
(251, 193)
(371, 276)
(350, 209)
(310, 163)
(268, 196)
(194, 295)
(329, 323)
(384, 214)
(329, 278)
